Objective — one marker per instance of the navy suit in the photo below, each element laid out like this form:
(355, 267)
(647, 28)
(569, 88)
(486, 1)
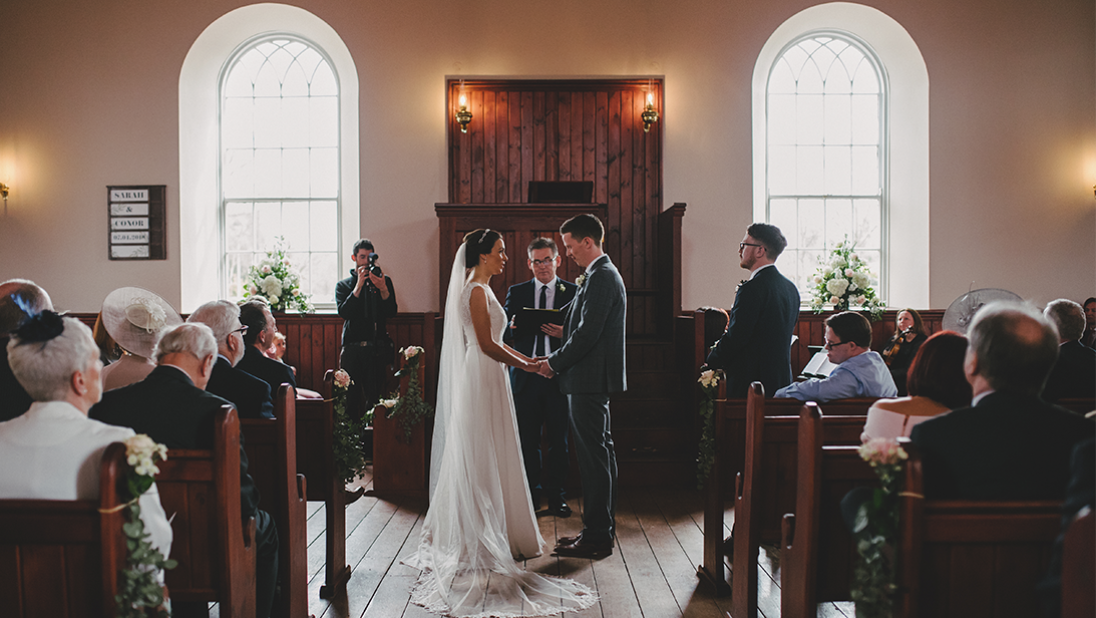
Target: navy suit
(1074, 374)
(1008, 447)
(274, 373)
(249, 394)
(538, 401)
(757, 344)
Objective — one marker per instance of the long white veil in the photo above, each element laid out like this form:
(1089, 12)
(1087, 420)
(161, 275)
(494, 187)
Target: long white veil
(450, 382)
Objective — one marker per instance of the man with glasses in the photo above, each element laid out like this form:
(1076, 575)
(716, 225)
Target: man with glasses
(757, 344)
(537, 400)
(249, 394)
(860, 372)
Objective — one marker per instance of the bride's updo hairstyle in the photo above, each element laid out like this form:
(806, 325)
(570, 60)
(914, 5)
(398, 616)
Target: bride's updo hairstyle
(477, 243)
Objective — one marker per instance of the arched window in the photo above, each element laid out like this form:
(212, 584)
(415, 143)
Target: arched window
(280, 162)
(841, 144)
(825, 130)
(268, 146)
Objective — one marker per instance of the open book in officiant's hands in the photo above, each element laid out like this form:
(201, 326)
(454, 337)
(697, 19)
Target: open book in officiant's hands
(529, 320)
(818, 367)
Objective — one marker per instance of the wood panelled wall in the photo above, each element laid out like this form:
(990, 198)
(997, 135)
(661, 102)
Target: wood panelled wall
(569, 130)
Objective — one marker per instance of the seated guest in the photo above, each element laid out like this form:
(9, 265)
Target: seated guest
(1009, 444)
(936, 385)
(1080, 494)
(249, 394)
(109, 350)
(1074, 373)
(860, 372)
(255, 314)
(18, 298)
(909, 334)
(133, 317)
(1089, 338)
(171, 406)
(53, 451)
(276, 351)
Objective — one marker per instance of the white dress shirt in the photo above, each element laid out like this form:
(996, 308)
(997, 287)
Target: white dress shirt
(549, 304)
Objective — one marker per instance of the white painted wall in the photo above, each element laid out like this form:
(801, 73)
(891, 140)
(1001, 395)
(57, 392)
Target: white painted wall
(90, 99)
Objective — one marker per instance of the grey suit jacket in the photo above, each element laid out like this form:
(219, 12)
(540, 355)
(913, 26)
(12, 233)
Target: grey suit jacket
(591, 360)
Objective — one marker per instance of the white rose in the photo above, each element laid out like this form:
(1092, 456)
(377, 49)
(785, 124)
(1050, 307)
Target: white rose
(708, 378)
(827, 271)
(272, 286)
(838, 262)
(817, 279)
(837, 286)
(296, 292)
(274, 299)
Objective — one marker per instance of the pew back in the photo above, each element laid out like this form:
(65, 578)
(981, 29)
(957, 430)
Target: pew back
(271, 446)
(61, 558)
(215, 551)
(971, 558)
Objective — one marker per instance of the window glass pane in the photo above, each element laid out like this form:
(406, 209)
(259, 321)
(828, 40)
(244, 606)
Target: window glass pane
(238, 173)
(324, 226)
(865, 170)
(838, 120)
(781, 170)
(323, 276)
(325, 172)
(865, 79)
(266, 80)
(812, 224)
(293, 123)
(782, 215)
(295, 172)
(323, 121)
(296, 83)
(808, 118)
(239, 226)
(866, 224)
(782, 79)
(268, 172)
(838, 162)
(323, 82)
(295, 225)
(809, 170)
(236, 127)
(236, 267)
(268, 224)
(838, 222)
(865, 119)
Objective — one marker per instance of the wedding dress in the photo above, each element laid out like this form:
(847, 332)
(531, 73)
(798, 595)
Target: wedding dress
(481, 521)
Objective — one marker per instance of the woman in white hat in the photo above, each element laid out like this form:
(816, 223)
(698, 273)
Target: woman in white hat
(134, 317)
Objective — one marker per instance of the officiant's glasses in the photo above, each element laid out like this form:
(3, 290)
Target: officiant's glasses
(544, 262)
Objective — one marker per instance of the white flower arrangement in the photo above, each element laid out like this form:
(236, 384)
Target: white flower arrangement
(845, 282)
(342, 378)
(142, 453)
(709, 378)
(274, 279)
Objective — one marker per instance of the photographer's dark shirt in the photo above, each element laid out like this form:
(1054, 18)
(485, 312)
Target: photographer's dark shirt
(358, 322)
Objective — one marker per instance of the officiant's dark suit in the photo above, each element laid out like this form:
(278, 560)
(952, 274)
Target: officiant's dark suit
(590, 365)
(757, 344)
(168, 407)
(538, 401)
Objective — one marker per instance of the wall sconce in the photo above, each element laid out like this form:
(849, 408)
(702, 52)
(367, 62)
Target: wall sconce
(4, 191)
(649, 115)
(463, 115)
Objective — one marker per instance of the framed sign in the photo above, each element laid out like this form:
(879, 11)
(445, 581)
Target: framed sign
(137, 222)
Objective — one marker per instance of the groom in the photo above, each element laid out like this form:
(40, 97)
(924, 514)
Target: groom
(590, 364)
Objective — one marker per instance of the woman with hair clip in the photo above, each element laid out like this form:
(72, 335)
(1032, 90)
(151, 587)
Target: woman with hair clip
(909, 334)
(480, 524)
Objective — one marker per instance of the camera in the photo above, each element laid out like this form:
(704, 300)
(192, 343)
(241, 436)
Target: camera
(373, 268)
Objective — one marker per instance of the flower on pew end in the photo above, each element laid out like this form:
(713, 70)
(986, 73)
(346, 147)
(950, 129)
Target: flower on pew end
(882, 451)
(342, 379)
(709, 378)
(389, 403)
(411, 351)
(142, 453)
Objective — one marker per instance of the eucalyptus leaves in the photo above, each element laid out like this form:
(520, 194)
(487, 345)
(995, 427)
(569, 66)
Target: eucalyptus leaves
(349, 431)
(709, 386)
(876, 530)
(140, 591)
(410, 408)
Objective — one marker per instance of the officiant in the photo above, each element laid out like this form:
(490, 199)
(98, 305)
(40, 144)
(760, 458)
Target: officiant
(537, 400)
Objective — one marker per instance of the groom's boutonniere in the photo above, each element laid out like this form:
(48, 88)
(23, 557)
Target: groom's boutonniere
(561, 287)
(581, 279)
(740, 284)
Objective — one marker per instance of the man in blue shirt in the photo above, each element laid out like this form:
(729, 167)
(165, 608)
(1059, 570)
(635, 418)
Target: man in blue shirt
(860, 372)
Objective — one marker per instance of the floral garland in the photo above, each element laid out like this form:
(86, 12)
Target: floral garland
(410, 408)
(140, 591)
(709, 383)
(273, 279)
(844, 281)
(876, 529)
(349, 432)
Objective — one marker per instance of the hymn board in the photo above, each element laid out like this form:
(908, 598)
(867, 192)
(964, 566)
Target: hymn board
(137, 222)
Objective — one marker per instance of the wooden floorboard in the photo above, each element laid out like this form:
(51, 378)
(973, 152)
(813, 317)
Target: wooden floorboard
(651, 574)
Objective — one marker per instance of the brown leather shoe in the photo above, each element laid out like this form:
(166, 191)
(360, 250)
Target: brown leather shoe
(583, 548)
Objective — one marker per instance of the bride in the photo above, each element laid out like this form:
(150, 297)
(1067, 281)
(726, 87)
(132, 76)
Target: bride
(481, 522)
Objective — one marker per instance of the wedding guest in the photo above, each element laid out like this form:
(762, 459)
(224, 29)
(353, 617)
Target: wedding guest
(937, 384)
(109, 350)
(172, 407)
(1089, 338)
(133, 317)
(18, 299)
(249, 394)
(261, 328)
(909, 334)
(53, 451)
(276, 351)
(1074, 373)
(1009, 444)
(860, 372)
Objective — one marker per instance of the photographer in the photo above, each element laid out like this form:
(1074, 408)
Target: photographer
(366, 299)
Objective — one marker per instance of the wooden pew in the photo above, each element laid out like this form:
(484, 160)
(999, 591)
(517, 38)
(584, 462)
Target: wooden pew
(271, 446)
(971, 558)
(768, 490)
(215, 549)
(316, 460)
(61, 558)
(817, 554)
(1079, 567)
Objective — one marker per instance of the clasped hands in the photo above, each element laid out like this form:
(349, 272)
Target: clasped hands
(540, 366)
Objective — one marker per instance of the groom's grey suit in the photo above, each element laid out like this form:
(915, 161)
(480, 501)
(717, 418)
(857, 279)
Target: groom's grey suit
(590, 364)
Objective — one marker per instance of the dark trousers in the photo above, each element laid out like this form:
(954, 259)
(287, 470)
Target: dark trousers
(596, 463)
(365, 370)
(266, 573)
(540, 404)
